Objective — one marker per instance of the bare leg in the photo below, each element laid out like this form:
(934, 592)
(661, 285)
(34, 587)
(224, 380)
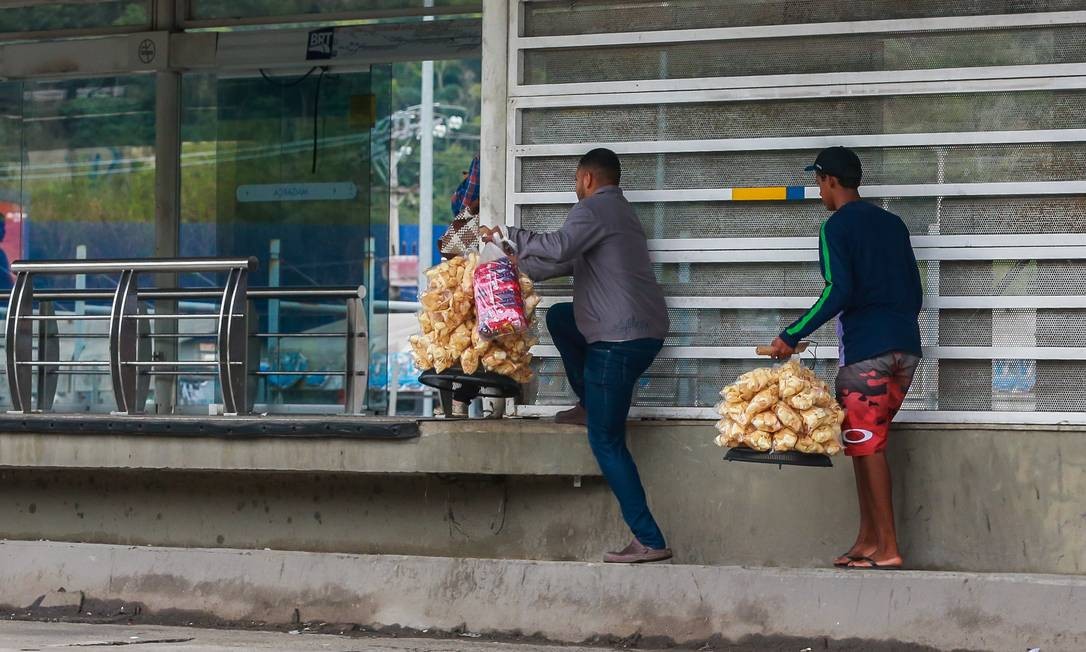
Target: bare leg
(879, 489)
(866, 541)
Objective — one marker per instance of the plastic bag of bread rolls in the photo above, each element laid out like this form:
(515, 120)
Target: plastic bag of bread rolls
(449, 334)
(783, 408)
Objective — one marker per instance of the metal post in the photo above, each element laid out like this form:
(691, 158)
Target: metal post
(123, 343)
(167, 198)
(274, 249)
(394, 199)
(19, 343)
(426, 168)
(426, 202)
(48, 351)
(494, 110)
(80, 344)
(233, 344)
(371, 311)
(357, 360)
(393, 386)
(930, 376)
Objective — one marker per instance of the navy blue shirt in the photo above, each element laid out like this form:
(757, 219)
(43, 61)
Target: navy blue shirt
(872, 281)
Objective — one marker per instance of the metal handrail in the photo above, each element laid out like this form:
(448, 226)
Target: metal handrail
(117, 265)
(152, 294)
(132, 360)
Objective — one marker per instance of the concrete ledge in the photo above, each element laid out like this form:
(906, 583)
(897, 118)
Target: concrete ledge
(232, 427)
(510, 447)
(564, 601)
(518, 447)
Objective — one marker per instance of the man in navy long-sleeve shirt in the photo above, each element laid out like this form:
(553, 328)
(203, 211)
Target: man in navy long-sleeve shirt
(873, 287)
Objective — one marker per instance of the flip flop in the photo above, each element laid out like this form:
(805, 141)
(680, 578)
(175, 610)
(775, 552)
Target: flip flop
(850, 558)
(874, 565)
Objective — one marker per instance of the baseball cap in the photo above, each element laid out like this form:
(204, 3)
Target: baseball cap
(840, 162)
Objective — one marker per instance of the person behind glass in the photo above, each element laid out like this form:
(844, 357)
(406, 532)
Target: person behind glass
(464, 200)
(611, 332)
(7, 281)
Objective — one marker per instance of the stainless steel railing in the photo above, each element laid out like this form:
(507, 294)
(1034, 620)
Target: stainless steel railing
(136, 335)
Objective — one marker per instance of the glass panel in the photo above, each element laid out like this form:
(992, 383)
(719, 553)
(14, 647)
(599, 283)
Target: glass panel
(73, 15)
(11, 200)
(89, 151)
(77, 182)
(457, 101)
(281, 169)
(206, 9)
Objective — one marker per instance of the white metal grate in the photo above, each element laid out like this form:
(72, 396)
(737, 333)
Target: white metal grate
(562, 17)
(983, 157)
(808, 55)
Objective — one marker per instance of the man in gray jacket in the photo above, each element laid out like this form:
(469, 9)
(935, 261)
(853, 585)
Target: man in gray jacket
(611, 332)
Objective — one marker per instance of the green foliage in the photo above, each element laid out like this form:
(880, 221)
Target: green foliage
(456, 84)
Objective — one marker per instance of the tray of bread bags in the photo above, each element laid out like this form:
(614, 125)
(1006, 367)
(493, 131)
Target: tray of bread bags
(783, 415)
(451, 352)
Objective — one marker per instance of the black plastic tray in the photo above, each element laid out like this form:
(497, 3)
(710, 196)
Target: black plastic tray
(482, 383)
(789, 458)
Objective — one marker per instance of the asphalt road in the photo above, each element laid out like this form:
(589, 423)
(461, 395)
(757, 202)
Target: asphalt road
(25, 636)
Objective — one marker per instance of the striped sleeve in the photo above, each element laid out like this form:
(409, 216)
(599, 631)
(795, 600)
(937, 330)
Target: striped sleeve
(837, 273)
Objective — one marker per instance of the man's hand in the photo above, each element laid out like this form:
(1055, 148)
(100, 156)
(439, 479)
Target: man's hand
(490, 233)
(781, 350)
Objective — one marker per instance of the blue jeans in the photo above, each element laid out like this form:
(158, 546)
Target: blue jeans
(603, 375)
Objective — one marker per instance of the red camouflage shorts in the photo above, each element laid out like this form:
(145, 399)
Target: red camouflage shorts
(872, 391)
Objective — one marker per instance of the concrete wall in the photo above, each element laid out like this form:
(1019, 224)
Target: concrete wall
(972, 499)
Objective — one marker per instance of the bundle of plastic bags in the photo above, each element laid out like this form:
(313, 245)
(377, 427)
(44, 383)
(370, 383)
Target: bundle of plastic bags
(450, 336)
(499, 302)
(784, 408)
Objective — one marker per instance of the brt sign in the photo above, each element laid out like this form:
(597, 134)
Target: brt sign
(320, 44)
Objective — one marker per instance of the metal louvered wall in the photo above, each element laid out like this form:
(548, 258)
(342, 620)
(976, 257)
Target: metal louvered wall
(970, 118)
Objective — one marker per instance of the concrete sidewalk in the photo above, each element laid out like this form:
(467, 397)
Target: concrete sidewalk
(564, 602)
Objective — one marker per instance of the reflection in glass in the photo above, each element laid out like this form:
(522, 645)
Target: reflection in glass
(278, 167)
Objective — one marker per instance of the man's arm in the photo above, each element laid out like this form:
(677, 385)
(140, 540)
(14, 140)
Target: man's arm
(541, 269)
(581, 231)
(837, 272)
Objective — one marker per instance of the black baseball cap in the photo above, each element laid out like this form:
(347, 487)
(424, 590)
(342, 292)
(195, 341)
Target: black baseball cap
(840, 162)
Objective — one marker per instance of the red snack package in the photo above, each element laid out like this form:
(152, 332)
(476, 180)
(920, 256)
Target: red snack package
(499, 306)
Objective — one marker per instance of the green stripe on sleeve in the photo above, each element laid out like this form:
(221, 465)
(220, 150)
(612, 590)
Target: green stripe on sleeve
(828, 275)
(801, 324)
(826, 269)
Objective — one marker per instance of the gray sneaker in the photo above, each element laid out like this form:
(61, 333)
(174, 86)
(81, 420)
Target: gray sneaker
(575, 416)
(635, 553)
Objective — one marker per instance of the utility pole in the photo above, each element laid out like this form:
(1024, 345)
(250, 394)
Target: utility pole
(426, 168)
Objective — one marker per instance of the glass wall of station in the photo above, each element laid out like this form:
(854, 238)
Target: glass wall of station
(302, 168)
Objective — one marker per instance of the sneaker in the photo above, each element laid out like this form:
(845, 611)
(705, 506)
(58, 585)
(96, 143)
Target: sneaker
(635, 553)
(575, 416)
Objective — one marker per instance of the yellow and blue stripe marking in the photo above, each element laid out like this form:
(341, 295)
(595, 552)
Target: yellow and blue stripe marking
(773, 193)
